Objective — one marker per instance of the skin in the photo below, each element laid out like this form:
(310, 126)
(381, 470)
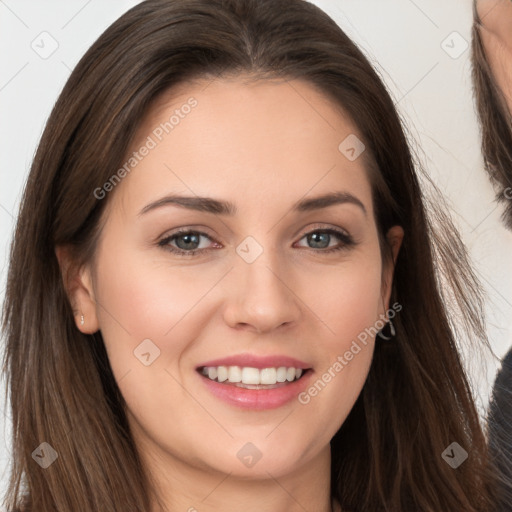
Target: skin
(496, 17)
(263, 146)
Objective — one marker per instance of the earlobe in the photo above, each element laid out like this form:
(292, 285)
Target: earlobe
(80, 291)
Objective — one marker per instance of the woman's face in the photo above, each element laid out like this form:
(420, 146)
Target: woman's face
(260, 292)
(496, 18)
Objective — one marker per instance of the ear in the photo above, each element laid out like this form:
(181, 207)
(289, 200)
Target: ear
(79, 289)
(394, 239)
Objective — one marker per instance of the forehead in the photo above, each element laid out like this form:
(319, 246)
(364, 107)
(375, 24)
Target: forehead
(254, 142)
(496, 15)
(496, 34)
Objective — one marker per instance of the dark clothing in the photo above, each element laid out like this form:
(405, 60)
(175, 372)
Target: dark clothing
(500, 429)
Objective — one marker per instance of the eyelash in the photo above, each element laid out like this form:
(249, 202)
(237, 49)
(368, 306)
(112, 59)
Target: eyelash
(347, 241)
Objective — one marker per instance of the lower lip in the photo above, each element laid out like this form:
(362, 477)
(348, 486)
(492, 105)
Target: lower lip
(257, 399)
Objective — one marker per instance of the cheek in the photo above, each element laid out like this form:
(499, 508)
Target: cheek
(347, 298)
(150, 315)
(349, 310)
(136, 299)
(141, 299)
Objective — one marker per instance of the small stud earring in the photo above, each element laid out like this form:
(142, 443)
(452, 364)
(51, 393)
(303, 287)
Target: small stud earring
(82, 321)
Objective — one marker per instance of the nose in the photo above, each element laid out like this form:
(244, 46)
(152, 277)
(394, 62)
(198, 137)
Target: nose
(261, 296)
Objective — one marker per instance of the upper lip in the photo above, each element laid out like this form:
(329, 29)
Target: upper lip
(254, 361)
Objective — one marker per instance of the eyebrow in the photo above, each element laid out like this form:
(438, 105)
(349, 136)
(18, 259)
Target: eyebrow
(218, 207)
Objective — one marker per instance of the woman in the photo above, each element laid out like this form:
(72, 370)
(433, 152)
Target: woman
(191, 343)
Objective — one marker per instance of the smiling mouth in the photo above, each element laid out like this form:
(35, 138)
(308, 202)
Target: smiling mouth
(253, 378)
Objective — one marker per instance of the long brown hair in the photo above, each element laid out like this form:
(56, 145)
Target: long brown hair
(495, 121)
(417, 400)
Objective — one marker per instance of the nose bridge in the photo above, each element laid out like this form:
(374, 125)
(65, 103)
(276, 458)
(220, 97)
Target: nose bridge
(262, 296)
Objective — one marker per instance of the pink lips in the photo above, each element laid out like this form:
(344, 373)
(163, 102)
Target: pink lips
(265, 397)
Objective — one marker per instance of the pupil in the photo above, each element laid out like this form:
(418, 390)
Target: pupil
(189, 239)
(315, 238)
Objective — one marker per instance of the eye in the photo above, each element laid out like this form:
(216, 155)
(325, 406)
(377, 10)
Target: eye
(320, 237)
(187, 242)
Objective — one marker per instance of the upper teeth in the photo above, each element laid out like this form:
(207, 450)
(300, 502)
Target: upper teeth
(248, 375)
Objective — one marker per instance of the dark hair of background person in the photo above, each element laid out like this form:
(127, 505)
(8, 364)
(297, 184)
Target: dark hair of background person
(417, 399)
(500, 430)
(496, 130)
(495, 121)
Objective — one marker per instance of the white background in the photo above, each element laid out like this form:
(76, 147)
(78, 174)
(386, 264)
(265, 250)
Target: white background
(404, 40)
